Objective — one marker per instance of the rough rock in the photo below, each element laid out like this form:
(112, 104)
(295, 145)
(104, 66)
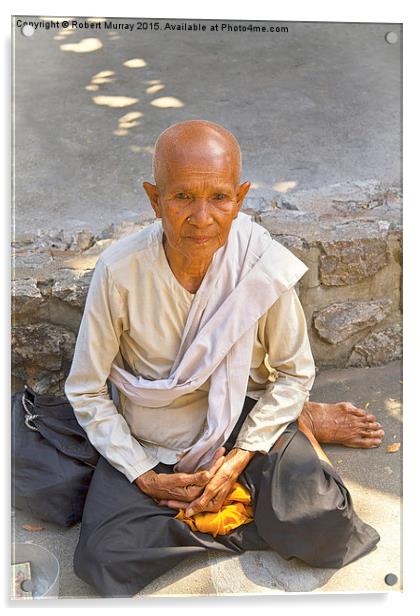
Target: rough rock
(82, 240)
(51, 342)
(41, 356)
(363, 200)
(285, 222)
(378, 348)
(117, 231)
(53, 240)
(72, 287)
(350, 251)
(347, 262)
(340, 320)
(26, 297)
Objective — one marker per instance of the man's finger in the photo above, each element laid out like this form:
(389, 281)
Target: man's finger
(217, 489)
(174, 504)
(186, 479)
(212, 504)
(218, 463)
(184, 494)
(218, 483)
(188, 493)
(211, 492)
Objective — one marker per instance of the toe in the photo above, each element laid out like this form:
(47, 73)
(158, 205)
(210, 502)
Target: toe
(371, 442)
(375, 443)
(356, 411)
(366, 441)
(373, 434)
(370, 418)
(350, 408)
(373, 425)
(360, 442)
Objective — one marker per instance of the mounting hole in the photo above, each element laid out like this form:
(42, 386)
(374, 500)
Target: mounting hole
(27, 30)
(391, 37)
(391, 579)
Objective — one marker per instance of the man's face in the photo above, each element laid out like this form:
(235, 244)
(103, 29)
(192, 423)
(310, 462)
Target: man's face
(197, 201)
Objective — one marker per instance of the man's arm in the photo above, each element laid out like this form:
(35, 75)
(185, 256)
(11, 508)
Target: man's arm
(104, 319)
(283, 334)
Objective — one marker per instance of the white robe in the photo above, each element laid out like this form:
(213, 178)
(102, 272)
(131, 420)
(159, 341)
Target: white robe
(140, 310)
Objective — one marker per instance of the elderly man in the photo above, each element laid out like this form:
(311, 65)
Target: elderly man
(195, 322)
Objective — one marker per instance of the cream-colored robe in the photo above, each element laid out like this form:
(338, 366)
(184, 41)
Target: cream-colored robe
(134, 315)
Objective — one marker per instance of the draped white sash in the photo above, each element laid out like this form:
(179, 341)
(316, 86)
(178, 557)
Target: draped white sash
(246, 276)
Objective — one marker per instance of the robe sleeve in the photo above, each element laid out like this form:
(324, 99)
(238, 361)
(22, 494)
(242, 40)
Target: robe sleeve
(283, 334)
(104, 319)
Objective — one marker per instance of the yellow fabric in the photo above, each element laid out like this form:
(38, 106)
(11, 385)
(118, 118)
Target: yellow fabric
(236, 510)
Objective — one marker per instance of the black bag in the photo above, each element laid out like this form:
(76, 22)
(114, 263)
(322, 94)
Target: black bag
(52, 459)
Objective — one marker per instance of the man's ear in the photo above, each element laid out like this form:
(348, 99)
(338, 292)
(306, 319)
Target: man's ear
(241, 194)
(153, 194)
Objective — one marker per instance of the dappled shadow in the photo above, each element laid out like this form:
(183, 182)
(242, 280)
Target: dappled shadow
(114, 101)
(64, 34)
(135, 63)
(99, 79)
(127, 121)
(154, 89)
(86, 45)
(166, 101)
(107, 85)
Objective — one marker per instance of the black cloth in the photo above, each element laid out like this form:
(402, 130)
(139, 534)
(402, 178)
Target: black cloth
(301, 507)
(52, 458)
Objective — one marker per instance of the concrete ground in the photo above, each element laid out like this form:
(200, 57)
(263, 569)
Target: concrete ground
(374, 478)
(316, 106)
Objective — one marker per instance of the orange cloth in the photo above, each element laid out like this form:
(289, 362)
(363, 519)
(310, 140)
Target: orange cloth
(236, 510)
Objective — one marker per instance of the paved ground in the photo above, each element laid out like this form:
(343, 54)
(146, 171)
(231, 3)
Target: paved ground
(316, 106)
(373, 477)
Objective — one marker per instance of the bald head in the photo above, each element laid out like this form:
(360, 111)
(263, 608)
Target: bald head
(198, 145)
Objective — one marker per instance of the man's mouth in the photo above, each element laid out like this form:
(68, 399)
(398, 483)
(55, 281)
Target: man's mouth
(200, 239)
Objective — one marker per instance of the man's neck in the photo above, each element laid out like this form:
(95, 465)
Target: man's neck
(189, 272)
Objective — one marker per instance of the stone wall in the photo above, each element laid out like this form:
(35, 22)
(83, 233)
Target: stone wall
(351, 293)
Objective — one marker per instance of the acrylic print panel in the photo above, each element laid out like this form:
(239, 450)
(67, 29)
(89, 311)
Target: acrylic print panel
(315, 108)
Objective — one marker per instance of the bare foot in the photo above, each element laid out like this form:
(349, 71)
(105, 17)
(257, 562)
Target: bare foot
(341, 424)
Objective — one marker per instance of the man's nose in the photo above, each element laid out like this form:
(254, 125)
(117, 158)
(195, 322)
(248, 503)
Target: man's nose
(201, 213)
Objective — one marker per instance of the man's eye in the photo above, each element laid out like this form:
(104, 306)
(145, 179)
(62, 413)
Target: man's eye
(182, 196)
(219, 196)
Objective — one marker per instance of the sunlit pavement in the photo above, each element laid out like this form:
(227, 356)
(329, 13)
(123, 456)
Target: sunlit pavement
(372, 476)
(314, 106)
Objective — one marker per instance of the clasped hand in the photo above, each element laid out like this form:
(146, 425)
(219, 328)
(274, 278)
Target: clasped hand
(204, 490)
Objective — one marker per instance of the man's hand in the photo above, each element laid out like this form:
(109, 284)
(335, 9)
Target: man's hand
(180, 486)
(218, 487)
